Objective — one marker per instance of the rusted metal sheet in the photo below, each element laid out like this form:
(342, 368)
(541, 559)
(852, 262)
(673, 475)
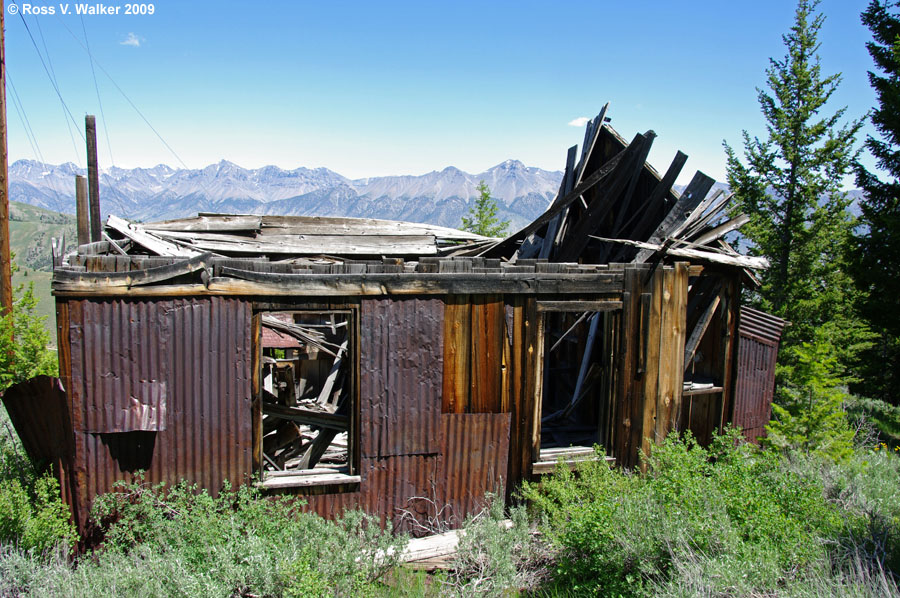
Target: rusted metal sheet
(401, 371)
(38, 411)
(475, 451)
(119, 356)
(419, 492)
(759, 335)
(199, 350)
(404, 490)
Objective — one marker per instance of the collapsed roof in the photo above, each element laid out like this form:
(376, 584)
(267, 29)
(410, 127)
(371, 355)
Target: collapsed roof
(612, 207)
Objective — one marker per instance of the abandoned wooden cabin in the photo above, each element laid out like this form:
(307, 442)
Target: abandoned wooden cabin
(401, 368)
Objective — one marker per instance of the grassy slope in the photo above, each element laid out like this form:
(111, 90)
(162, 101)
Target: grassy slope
(30, 231)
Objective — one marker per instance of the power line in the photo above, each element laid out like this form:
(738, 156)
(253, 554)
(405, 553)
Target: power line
(97, 89)
(29, 133)
(46, 70)
(55, 82)
(124, 95)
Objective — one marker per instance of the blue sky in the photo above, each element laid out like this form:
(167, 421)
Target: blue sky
(376, 88)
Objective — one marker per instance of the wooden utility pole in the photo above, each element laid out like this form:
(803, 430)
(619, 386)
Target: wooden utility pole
(90, 134)
(82, 212)
(6, 295)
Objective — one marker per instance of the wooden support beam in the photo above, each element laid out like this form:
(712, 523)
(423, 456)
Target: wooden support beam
(694, 194)
(579, 190)
(600, 207)
(690, 347)
(317, 448)
(575, 306)
(90, 135)
(82, 210)
(6, 291)
(321, 419)
(568, 183)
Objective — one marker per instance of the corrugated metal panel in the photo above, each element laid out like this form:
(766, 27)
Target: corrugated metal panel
(199, 348)
(38, 411)
(124, 347)
(403, 489)
(759, 335)
(415, 491)
(401, 372)
(475, 451)
(760, 325)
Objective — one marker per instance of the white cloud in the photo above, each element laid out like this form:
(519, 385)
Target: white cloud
(579, 122)
(131, 40)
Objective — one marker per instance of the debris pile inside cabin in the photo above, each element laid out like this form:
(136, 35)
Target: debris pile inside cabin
(306, 413)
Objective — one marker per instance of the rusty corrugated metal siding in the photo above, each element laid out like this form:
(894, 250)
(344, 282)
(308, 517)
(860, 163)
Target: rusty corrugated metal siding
(759, 335)
(401, 371)
(198, 350)
(401, 489)
(38, 411)
(475, 449)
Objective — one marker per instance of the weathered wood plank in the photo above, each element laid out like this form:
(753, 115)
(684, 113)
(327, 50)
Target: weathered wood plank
(589, 183)
(147, 240)
(322, 419)
(722, 230)
(577, 239)
(457, 354)
(487, 351)
(653, 364)
(131, 278)
(315, 244)
(694, 194)
(571, 306)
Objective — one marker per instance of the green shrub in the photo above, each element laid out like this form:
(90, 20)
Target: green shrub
(496, 556)
(735, 515)
(191, 543)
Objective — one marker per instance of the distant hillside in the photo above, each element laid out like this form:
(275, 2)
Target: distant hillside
(438, 197)
(30, 231)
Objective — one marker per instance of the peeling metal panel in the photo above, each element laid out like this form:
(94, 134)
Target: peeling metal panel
(475, 451)
(401, 374)
(38, 411)
(197, 352)
(759, 335)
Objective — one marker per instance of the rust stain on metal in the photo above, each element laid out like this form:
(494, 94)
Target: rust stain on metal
(401, 371)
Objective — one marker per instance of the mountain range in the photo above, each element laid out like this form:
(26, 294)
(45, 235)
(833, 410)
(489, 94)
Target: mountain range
(158, 193)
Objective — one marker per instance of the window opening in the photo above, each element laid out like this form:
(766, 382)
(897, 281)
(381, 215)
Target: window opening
(308, 398)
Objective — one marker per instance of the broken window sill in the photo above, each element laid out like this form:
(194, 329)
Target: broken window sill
(570, 456)
(306, 480)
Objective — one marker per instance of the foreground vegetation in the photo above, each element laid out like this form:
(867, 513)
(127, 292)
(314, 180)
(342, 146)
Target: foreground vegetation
(728, 520)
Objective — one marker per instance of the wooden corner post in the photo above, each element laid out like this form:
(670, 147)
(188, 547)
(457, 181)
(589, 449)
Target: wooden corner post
(90, 135)
(6, 294)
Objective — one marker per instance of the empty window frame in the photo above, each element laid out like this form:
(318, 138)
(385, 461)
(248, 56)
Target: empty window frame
(578, 379)
(305, 412)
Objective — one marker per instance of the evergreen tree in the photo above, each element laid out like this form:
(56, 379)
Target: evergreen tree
(800, 220)
(791, 189)
(24, 341)
(482, 218)
(878, 264)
